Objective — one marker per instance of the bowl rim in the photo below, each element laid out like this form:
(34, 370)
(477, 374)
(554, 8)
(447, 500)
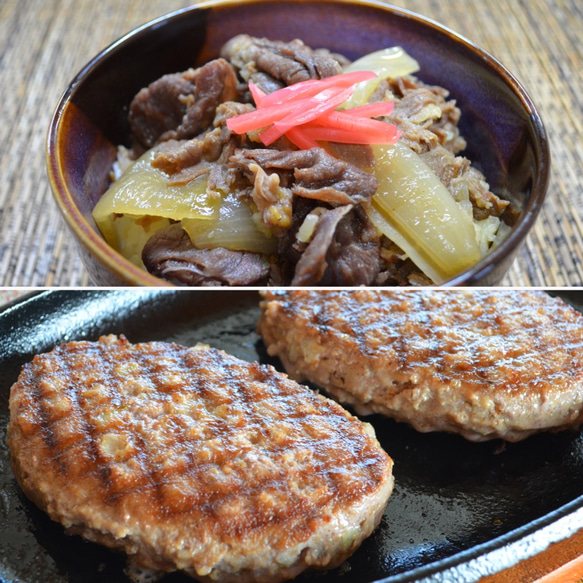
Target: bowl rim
(130, 274)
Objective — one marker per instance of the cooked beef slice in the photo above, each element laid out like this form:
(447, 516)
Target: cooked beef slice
(425, 115)
(181, 105)
(159, 107)
(462, 179)
(312, 264)
(170, 254)
(343, 251)
(360, 155)
(265, 82)
(185, 160)
(317, 174)
(277, 61)
(353, 257)
(320, 175)
(429, 122)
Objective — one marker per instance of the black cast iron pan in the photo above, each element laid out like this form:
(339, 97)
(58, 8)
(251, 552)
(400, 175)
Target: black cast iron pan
(459, 511)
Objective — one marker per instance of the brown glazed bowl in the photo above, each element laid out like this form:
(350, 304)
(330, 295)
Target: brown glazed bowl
(505, 134)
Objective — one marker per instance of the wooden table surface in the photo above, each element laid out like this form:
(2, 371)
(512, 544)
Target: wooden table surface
(43, 44)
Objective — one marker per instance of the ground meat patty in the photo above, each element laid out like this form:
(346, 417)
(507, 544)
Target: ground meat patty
(191, 459)
(484, 363)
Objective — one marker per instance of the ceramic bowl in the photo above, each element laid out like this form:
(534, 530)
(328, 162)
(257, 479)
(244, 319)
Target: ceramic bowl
(505, 134)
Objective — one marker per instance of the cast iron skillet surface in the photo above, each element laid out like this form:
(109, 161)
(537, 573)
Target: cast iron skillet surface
(453, 500)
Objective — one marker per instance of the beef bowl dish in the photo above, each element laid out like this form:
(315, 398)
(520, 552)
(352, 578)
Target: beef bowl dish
(275, 144)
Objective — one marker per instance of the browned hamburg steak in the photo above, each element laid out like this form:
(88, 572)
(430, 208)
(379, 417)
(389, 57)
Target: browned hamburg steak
(190, 459)
(483, 363)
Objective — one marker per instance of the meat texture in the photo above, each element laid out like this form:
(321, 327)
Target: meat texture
(429, 121)
(483, 363)
(317, 174)
(273, 64)
(170, 254)
(343, 251)
(181, 105)
(190, 459)
(184, 115)
(207, 153)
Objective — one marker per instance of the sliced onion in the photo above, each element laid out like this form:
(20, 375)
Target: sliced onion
(413, 208)
(234, 228)
(128, 234)
(144, 190)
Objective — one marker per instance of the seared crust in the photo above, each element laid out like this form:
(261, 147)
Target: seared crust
(483, 363)
(192, 459)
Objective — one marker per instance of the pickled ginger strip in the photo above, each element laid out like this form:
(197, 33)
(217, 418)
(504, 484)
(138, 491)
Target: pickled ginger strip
(310, 106)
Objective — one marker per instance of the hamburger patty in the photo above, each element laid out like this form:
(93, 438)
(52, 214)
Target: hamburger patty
(190, 459)
(483, 363)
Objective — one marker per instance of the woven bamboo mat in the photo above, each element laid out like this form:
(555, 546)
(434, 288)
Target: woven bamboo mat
(43, 43)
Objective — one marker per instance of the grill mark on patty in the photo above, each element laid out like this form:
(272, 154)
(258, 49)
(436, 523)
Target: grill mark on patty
(225, 453)
(147, 478)
(484, 363)
(102, 467)
(65, 450)
(115, 488)
(45, 424)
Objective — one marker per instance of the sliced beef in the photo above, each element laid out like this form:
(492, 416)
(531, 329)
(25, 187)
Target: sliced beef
(286, 62)
(344, 250)
(322, 176)
(317, 174)
(353, 257)
(425, 115)
(265, 82)
(169, 254)
(181, 105)
(463, 180)
(360, 155)
(159, 107)
(312, 264)
(185, 160)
